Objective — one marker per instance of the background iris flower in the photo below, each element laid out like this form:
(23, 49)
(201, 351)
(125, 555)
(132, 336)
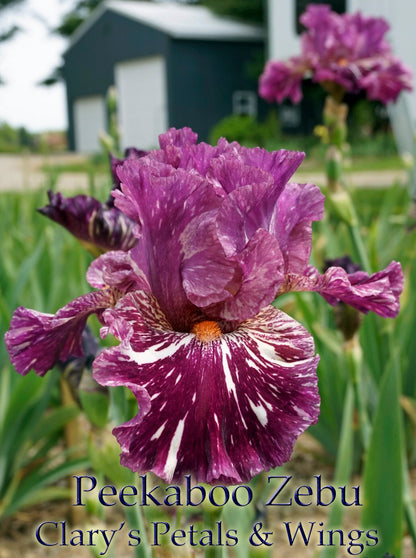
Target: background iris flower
(344, 53)
(225, 382)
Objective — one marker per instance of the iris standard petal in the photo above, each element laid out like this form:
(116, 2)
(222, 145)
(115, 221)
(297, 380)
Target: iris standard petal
(226, 285)
(223, 407)
(115, 162)
(291, 224)
(178, 137)
(260, 272)
(280, 164)
(116, 270)
(208, 276)
(239, 166)
(165, 200)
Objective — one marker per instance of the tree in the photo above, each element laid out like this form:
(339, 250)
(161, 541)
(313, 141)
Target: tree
(9, 32)
(76, 16)
(247, 10)
(6, 34)
(8, 3)
(69, 24)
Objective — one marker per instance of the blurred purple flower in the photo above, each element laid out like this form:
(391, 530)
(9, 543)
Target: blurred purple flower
(345, 53)
(225, 382)
(100, 227)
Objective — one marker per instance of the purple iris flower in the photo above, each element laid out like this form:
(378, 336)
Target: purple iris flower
(100, 227)
(345, 53)
(225, 382)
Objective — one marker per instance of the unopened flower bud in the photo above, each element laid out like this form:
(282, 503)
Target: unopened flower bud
(341, 204)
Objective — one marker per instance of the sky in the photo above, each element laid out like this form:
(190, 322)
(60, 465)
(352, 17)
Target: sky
(28, 58)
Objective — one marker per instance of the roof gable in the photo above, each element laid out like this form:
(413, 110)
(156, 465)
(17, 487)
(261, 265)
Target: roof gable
(176, 20)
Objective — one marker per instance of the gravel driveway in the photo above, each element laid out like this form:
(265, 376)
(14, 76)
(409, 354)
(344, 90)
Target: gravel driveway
(25, 172)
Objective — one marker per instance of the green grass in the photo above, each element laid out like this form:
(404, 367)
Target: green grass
(41, 267)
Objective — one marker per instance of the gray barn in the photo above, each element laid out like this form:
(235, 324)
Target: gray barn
(172, 65)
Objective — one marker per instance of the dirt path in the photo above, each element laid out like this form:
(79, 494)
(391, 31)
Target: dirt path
(19, 173)
(26, 172)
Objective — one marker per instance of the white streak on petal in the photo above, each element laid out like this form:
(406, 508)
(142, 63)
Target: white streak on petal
(301, 412)
(155, 354)
(172, 458)
(228, 379)
(260, 412)
(158, 432)
(269, 354)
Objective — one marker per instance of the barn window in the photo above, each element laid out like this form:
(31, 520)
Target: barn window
(245, 103)
(289, 116)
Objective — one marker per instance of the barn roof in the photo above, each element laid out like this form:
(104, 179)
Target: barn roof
(176, 20)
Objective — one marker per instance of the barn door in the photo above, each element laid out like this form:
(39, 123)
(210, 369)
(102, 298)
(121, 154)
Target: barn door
(142, 102)
(89, 121)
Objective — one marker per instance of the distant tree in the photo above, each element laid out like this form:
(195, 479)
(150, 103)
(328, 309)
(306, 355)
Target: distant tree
(6, 34)
(8, 3)
(69, 24)
(76, 16)
(252, 11)
(9, 32)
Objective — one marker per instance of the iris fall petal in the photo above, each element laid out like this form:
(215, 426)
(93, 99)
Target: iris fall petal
(378, 292)
(38, 341)
(223, 409)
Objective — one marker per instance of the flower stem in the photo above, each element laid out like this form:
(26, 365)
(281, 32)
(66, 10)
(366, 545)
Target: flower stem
(212, 518)
(134, 516)
(73, 437)
(343, 467)
(335, 126)
(354, 357)
(359, 245)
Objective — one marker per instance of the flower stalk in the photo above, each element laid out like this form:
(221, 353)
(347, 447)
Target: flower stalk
(335, 124)
(354, 358)
(73, 433)
(344, 463)
(212, 518)
(335, 136)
